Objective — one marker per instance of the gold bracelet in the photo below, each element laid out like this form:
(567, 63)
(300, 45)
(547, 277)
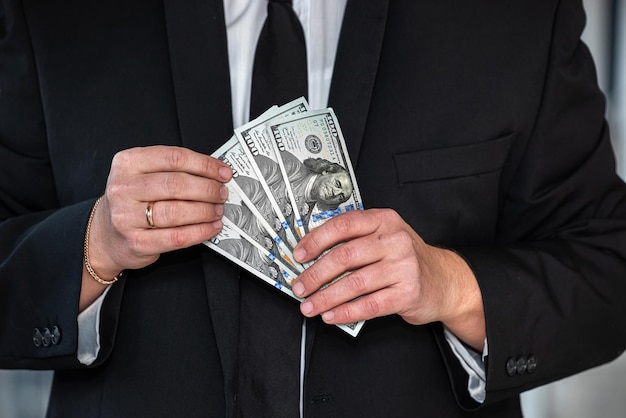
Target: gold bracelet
(90, 269)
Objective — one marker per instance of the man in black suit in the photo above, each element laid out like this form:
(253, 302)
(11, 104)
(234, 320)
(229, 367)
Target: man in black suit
(479, 124)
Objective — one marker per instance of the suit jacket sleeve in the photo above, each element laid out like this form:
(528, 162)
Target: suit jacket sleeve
(40, 242)
(553, 284)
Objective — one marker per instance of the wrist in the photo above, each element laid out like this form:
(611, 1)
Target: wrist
(466, 317)
(98, 272)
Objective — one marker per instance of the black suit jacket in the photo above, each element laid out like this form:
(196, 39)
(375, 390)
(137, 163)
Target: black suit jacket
(479, 122)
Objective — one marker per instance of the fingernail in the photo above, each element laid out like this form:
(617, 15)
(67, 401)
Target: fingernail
(218, 225)
(219, 210)
(299, 254)
(328, 316)
(298, 289)
(306, 308)
(225, 173)
(224, 193)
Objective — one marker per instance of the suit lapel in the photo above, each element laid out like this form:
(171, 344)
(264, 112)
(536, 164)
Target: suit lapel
(355, 69)
(199, 59)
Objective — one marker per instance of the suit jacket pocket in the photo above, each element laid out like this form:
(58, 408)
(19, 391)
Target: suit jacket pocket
(453, 162)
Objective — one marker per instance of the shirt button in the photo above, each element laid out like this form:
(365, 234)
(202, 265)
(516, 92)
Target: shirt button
(511, 367)
(37, 337)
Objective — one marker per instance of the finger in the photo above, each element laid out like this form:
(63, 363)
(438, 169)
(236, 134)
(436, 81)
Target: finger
(173, 213)
(171, 186)
(339, 229)
(356, 284)
(157, 241)
(374, 305)
(159, 158)
(340, 259)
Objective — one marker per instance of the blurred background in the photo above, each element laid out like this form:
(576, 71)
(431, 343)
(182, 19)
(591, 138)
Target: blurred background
(600, 392)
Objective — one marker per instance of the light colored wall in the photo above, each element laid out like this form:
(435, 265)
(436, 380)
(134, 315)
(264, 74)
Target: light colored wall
(618, 103)
(24, 393)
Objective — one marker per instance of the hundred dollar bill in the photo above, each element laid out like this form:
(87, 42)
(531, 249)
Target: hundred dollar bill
(315, 165)
(234, 244)
(250, 247)
(249, 207)
(257, 144)
(352, 329)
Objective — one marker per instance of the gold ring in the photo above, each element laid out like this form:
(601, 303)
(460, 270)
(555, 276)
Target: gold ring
(149, 215)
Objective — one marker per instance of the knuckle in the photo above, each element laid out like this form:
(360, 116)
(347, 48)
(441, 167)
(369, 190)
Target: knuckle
(314, 276)
(322, 299)
(178, 238)
(166, 214)
(172, 184)
(118, 185)
(174, 157)
(403, 238)
(345, 313)
(115, 190)
(119, 158)
(389, 217)
(389, 213)
(371, 306)
(356, 283)
(344, 254)
(343, 224)
(314, 239)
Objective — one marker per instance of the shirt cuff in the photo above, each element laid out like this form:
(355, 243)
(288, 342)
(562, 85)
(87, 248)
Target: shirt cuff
(473, 363)
(88, 331)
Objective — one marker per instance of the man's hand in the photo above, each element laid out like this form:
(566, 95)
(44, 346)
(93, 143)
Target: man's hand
(391, 271)
(188, 192)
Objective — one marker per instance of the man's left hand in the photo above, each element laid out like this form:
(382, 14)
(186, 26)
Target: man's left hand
(389, 269)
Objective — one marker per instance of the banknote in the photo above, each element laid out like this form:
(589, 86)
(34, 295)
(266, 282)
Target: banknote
(353, 329)
(233, 243)
(317, 170)
(314, 162)
(291, 173)
(249, 207)
(257, 143)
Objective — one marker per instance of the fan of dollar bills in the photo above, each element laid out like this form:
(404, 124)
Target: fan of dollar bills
(291, 172)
